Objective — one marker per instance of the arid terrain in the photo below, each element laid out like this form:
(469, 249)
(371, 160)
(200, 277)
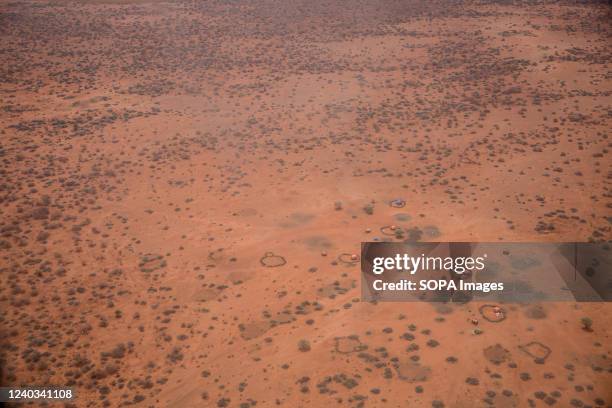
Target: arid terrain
(183, 184)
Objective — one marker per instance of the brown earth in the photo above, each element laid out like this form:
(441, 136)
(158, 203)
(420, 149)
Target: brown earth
(153, 153)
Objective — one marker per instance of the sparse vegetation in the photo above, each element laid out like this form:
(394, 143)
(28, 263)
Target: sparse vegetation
(304, 345)
(167, 174)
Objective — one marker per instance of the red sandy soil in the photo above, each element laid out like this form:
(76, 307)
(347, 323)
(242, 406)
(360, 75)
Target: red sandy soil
(153, 152)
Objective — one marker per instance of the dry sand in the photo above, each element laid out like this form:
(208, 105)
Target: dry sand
(152, 153)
